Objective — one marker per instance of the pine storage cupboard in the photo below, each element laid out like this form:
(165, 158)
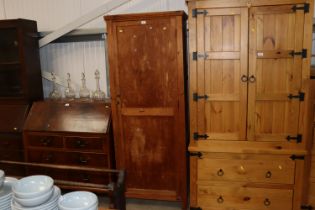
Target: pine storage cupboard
(250, 103)
(146, 60)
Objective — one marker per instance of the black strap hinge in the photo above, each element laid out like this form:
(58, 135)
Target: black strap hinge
(196, 97)
(297, 157)
(301, 96)
(297, 138)
(306, 8)
(196, 12)
(303, 53)
(197, 56)
(307, 207)
(197, 136)
(196, 154)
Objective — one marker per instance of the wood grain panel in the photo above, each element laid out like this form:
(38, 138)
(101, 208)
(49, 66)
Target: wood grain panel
(235, 196)
(252, 170)
(275, 72)
(147, 80)
(226, 62)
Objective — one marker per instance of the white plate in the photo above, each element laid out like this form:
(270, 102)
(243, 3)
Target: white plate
(6, 190)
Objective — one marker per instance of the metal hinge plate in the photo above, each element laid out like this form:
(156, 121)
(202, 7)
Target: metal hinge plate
(196, 97)
(197, 136)
(305, 8)
(297, 138)
(297, 157)
(197, 55)
(196, 12)
(303, 53)
(300, 96)
(196, 154)
(307, 207)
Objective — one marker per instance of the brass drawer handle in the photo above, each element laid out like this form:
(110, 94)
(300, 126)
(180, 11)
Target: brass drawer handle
(268, 175)
(220, 172)
(48, 158)
(267, 202)
(83, 160)
(80, 143)
(86, 178)
(220, 199)
(46, 141)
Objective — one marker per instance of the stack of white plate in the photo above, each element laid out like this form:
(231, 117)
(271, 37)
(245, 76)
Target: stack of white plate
(6, 193)
(35, 193)
(78, 200)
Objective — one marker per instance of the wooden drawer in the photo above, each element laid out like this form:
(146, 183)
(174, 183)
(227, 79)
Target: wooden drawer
(14, 155)
(45, 141)
(11, 141)
(252, 169)
(87, 159)
(86, 143)
(89, 177)
(57, 174)
(237, 197)
(43, 156)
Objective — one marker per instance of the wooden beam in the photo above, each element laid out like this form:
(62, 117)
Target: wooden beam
(81, 21)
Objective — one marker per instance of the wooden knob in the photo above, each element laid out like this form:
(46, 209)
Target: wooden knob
(267, 202)
(220, 172)
(220, 199)
(268, 175)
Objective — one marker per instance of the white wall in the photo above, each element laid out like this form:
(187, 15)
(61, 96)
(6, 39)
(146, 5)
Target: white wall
(75, 58)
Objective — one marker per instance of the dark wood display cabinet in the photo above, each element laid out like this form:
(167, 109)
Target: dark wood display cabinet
(20, 85)
(69, 133)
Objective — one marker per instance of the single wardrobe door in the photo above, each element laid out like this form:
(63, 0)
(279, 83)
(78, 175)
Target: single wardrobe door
(221, 76)
(275, 71)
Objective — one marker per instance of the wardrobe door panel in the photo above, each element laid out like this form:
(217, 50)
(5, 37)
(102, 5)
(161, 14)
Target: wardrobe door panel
(276, 40)
(148, 103)
(221, 76)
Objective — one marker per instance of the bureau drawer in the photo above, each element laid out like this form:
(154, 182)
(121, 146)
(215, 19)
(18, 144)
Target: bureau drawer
(238, 197)
(42, 156)
(45, 141)
(86, 143)
(11, 141)
(87, 159)
(57, 174)
(279, 171)
(14, 155)
(89, 177)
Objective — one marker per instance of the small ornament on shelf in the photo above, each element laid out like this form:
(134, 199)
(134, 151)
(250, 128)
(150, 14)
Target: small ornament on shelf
(98, 94)
(55, 93)
(84, 91)
(69, 92)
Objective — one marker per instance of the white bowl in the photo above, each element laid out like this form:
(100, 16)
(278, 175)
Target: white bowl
(78, 200)
(30, 202)
(2, 174)
(32, 186)
(50, 204)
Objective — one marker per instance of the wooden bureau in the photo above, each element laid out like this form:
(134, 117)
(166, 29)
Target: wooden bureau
(69, 133)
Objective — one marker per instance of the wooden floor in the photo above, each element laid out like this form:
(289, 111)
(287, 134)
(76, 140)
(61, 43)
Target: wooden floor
(135, 204)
